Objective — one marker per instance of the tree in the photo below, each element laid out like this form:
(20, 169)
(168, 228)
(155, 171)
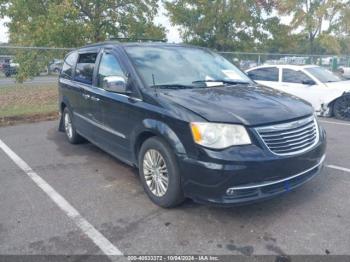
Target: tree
(72, 23)
(123, 18)
(341, 26)
(220, 24)
(280, 38)
(310, 16)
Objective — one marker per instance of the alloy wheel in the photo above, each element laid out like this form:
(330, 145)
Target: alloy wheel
(155, 172)
(68, 125)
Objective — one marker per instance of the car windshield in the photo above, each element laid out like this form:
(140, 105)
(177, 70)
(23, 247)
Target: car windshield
(183, 67)
(323, 75)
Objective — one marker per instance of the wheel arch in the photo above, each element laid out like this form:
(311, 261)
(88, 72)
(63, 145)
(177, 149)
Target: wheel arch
(330, 104)
(155, 128)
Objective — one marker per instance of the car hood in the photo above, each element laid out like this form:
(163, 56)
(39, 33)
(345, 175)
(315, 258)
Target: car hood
(341, 86)
(248, 105)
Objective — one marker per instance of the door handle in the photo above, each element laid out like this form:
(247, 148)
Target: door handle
(94, 98)
(86, 96)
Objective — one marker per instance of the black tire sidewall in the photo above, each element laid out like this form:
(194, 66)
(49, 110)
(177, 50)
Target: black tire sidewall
(174, 194)
(75, 139)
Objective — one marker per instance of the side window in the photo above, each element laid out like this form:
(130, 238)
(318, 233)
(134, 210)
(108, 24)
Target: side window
(85, 68)
(264, 74)
(109, 66)
(68, 65)
(292, 76)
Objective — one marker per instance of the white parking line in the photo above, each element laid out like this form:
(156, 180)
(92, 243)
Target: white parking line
(101, 241)
(336, 123)
(339, 168)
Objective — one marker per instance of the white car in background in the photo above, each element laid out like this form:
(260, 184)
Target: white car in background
(328, 93)
(344, 72)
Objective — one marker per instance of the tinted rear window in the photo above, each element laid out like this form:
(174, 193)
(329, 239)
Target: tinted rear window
(85, 68)
(68, 65)
(292, 76)
(264, 74)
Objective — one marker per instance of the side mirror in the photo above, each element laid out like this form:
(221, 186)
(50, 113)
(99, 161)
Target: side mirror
(309, 82)
(115, 84)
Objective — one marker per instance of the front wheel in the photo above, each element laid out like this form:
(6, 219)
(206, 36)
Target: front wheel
(341, 108)
(159, 173)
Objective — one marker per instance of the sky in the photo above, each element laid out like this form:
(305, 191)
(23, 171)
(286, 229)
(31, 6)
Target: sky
(173, 34)
(3, 31)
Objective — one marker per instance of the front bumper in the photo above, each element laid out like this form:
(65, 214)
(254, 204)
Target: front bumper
(248, 174)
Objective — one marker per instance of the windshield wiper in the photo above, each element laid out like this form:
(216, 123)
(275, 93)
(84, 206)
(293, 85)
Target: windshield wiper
(172, 86)
(229, 82)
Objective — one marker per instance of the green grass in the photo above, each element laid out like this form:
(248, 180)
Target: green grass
(28, 110)
(21, 100)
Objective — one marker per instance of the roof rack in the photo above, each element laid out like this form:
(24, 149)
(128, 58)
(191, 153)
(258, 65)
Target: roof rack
(125, 39)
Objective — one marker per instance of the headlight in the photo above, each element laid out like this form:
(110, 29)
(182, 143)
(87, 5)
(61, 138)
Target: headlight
(219, 136)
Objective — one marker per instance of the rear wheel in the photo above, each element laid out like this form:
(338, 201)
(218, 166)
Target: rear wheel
(159, 173)
(341, 108)
(71, 133)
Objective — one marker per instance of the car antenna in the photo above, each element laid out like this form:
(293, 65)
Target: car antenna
(154, 85)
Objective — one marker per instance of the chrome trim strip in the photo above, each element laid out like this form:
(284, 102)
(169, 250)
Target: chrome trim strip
(105, 128)
(134, 98)
(63, 80)
(71, 82)
(281, 180)
(289, 125)
(308, 126)
(67, 81)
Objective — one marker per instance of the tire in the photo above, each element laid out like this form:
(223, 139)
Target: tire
(69, 129)
(341, 108)
(173, 194)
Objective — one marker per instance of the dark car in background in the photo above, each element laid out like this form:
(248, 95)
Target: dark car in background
(10, 68)
(192, 123)
(55, 66)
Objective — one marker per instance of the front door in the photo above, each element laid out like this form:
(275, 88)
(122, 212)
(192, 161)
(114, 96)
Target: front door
(114, 108)
(298, 83)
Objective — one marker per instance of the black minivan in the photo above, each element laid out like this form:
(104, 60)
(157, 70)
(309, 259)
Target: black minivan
(192, 123)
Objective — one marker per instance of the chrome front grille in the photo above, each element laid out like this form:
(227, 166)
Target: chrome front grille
(290, 138)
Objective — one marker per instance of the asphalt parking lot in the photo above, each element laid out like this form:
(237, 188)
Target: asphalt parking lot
(314, 219)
